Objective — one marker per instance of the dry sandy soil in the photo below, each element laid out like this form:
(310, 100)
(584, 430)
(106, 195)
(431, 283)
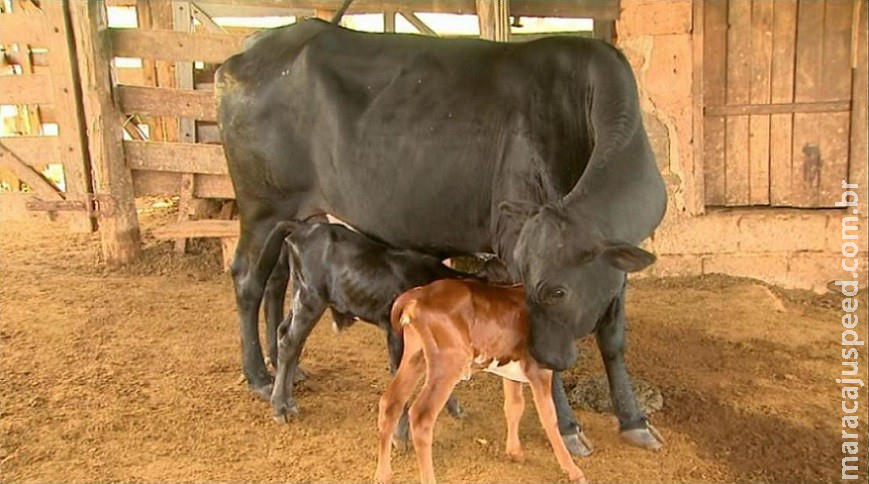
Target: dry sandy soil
(133, 375)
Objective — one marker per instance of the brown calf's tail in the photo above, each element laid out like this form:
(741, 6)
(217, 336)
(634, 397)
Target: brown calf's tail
(402, 310)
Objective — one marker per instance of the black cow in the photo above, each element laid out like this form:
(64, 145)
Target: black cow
(532, 151)
(354, 276)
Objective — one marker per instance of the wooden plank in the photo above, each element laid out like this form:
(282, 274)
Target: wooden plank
(198, 228)
(779, 108)
(176, 157)
(695, 194)
(206, 20)
(35, 151)
(214, 186)
(596, 9)
(807, 154)
(494, 20)
(72, 132)
(174, 46)
(157, 16)
(183, 21)
(164, 183)
(782, 92)
(28, 175)
(714, 93)
(389, 21)
(859, 146)
(417, 23)
(736, 187)
(835, 129)
(22, 28)
(119, 232)
(26, 89)
(758, 125)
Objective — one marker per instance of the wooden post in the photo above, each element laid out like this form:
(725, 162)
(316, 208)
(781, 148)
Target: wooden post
(494, 17)
(859, 173)
(70, 117)
(119, 226)
(182, 20)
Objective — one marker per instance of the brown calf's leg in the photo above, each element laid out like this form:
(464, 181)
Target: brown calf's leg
(442, 375)
(514, 406)
(541, 388)
(392, 403)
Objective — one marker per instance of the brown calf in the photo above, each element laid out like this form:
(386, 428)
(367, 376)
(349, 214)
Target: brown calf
(451, 329)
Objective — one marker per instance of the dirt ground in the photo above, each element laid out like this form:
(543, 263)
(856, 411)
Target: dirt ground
(133, 375)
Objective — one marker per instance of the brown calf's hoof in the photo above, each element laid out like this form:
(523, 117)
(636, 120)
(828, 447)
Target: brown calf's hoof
(577, 476)
(578, 444)
(648, 438)
(516, 456)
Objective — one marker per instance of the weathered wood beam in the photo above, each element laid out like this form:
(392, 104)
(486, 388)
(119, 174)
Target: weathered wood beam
(119, 233)
(417, 23)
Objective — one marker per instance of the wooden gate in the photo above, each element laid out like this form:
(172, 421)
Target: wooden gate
(778, 91)
(39, 81)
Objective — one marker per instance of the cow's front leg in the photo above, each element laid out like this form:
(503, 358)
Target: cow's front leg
(568, 426)
(293, 332)
(611, 340)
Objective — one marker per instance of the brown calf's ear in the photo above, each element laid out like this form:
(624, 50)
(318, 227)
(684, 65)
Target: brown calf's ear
(519, 211)
(626, 257)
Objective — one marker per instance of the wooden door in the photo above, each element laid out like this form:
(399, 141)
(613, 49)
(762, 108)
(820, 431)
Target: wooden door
(777, 101)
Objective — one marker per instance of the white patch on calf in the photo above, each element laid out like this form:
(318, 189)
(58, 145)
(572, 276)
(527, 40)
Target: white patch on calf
(511, 371)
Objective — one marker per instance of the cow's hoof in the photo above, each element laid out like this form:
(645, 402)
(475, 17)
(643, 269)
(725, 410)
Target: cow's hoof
(262, 392)
(648, 438)
(578, 444)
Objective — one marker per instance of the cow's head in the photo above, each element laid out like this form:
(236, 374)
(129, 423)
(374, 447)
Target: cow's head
(571, 273)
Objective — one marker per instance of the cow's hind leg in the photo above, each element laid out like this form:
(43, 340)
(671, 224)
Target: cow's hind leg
(610, 333)
(293, 332)
(249, 288)
(393, 405)
(571, 430)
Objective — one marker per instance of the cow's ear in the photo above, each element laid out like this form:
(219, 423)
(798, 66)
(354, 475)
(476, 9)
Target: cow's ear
(519, 211)
(626, 257)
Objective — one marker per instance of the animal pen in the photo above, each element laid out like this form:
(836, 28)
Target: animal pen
(756, 112)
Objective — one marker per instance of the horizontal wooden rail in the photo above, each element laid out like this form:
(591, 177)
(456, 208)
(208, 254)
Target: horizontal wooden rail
(597, 9)
(197, 228)
(164, 183)
(161, 101)
(175, 157)
(18, 28)
(33, 150)
(782, 108)
(26, 89)
(174, 46)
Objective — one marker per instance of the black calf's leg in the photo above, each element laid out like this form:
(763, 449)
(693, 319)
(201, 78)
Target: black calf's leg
(293, 331)
(275, 294)
(248, 294)
(568, 425)
(611, 340)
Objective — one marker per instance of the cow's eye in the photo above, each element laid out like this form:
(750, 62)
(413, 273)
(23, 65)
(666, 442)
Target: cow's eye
(553, 295)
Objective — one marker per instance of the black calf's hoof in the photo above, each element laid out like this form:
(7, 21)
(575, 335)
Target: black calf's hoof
(578, 444)
(456, 411)
(648, 438)
(261, 393)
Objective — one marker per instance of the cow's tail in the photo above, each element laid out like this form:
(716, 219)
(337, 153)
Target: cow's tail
(340, 13)
(271, 249)
(403, 310)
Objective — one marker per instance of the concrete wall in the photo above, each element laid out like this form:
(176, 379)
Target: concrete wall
(792, 248)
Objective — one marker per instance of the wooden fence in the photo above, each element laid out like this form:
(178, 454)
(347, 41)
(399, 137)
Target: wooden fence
(166, 105)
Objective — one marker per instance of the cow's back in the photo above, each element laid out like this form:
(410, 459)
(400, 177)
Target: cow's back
(406, 138)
